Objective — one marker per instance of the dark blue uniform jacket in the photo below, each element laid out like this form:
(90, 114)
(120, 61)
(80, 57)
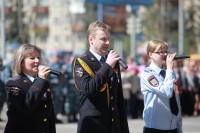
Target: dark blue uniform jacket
(98, 114)
(30, 108)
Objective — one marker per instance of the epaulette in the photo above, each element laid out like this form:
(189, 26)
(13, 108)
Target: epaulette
(16, 78)
(82, 56)
(148, 69)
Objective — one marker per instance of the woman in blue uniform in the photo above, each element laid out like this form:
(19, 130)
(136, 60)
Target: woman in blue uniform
(162, 112)
(29, 99)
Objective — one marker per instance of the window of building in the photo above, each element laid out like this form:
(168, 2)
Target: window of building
(80, 36)
(29, 2)
(67, 2)
(67, 39)
(67, 20)
(7, 22)
(43, 38)
(43, 2)
(7, 3)
(56, 38)
(55, 20)
(43, 20)
(56, 2)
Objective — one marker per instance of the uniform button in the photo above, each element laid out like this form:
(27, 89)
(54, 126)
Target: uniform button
(45, 119)
(113, 108)
(111, 97)
(110, 87)
(45, 106)
(112, 119)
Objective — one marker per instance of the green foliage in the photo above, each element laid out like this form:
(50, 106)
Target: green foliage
(126, 44)
(17, 30)
(151, 22)
(190, 36)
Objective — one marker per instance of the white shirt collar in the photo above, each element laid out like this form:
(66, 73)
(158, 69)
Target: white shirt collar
(156, 68)
(96, 55)
(31, 78)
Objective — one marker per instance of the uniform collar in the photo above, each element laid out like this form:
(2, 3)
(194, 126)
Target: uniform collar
(31, 78)
(156, 68)
(96, 55)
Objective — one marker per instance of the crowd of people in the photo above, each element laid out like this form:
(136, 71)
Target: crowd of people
(65, 96)
(95, 86)
(5, 74)
(188, 71)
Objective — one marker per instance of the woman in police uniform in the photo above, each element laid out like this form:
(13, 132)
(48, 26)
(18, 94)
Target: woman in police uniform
(162, 113)
(29, 98)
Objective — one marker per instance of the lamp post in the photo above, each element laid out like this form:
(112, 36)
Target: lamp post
(180, 27)
(2, 30)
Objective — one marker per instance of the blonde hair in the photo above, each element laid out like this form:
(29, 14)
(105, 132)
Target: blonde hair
(156, 44)
(21, 52)
(95, 26)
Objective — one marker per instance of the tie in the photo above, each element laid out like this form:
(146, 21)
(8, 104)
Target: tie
(103, 60)
(172, 100)
(34, 80)
(173, 104)
(162, 72)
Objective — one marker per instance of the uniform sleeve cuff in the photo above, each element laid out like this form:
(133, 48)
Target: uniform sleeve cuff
(107, 70)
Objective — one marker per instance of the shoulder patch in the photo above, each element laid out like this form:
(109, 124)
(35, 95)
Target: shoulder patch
(14, 91)
(83, 55)
(79, 71)
(153, 81)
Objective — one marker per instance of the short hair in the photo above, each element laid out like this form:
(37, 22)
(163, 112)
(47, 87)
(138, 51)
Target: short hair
(156, 44)
(95, 26)
(20, 54)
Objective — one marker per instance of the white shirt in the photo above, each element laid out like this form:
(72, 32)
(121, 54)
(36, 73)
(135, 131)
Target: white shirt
(31, 78)
(157, 91)
(97, 56)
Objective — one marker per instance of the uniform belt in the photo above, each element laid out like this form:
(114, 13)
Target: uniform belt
(153, 130)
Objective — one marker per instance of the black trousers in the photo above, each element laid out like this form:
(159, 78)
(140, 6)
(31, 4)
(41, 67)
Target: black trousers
(153, 130)
(94, 124)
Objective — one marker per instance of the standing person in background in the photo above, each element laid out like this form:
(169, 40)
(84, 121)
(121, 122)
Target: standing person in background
(126, 85)
(198, 102)
(180, 75)
(98, 80)
(192, 84)
(5, 74)
(71, 104)
(56, 84)
(162, 111)
(136, 96)
(29, 98)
